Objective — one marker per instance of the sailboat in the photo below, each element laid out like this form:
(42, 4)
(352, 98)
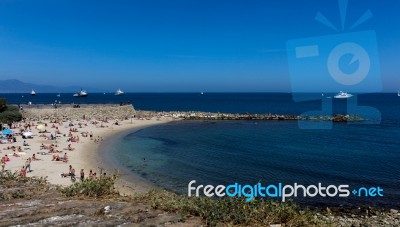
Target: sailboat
(33, 93)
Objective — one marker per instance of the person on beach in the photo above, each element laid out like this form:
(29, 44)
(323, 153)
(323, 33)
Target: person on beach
(34, 158)
(56, 157)
(71, 173)
(28, 164)
(3, 164)
(70, 147)
(23, 171)
(82, 174)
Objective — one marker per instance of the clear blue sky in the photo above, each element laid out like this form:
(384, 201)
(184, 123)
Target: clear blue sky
(177, 45)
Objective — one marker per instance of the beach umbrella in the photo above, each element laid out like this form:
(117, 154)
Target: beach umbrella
(41, 127)
(7, 131)
(27, 134)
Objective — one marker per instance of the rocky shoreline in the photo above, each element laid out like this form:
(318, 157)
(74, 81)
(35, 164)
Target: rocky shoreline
(359, 216)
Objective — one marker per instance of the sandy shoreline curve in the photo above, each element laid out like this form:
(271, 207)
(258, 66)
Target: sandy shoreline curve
(100, 156)
(88, 153)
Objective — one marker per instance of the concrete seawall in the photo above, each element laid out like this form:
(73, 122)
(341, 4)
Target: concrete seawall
(95, 111)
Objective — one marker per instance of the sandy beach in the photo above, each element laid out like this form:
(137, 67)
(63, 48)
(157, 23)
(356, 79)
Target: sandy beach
(83, 153)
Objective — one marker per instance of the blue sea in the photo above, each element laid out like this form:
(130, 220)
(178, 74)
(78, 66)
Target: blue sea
(247, 152)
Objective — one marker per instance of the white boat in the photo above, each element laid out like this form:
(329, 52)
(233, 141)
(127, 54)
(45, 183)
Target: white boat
(201, 93)
(33, 93)
(343, 95)
(398, 93)
(119, 92)
(82, 93)
(58, 95)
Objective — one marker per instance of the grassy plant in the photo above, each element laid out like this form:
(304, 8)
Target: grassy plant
(18, 194)
(234, 211)
(102, 187)
(8, 178)
(216, 212)
(14, 186)
(10, 114)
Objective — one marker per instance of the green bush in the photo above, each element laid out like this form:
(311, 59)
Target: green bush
(10, 114)
(15, 186)
(12, 178)
(234, 211)
(102, 187)
(2, 104)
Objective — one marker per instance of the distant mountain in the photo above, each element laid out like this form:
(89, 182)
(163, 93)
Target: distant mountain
(16, 86)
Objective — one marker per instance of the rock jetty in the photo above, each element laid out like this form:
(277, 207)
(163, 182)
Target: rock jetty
(112, 111)
(226, 116)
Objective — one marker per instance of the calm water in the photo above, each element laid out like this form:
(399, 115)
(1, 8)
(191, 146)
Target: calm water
(224, 152)
(247, 152)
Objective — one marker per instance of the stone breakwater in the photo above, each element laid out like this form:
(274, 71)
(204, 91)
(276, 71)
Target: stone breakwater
(75, 112)
(101, 112)
(227, 116)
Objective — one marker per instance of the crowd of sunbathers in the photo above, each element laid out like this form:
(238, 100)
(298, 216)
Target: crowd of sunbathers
(52, 148)
(71, 173)
(8, 139)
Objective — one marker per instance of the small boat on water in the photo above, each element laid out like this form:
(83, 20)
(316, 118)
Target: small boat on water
(81, 94)
(119, 92)
(398, 93)
(33, 93)
(343, 95)
(58, 95)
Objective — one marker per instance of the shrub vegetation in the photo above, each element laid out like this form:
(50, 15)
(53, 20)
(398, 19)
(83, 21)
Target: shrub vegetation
(103, 187)
(9, 114)
(234, 211)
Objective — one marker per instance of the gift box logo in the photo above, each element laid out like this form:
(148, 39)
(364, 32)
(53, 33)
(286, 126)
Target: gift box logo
(345, 61)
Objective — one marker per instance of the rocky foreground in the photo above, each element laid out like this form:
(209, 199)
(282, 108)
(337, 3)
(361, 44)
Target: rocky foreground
(34, 202)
